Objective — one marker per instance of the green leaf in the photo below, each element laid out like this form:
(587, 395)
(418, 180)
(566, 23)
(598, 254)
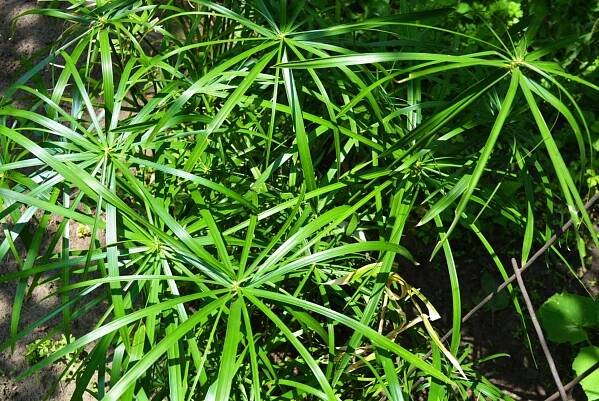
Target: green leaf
(504, 112)
(232, 101)
(159, 349)
(569, 189)
(586, 358)
(301, 137)
(446, 200)
(45, 205)
(369, 58)
(107, 74)
(566, 317)
(376, 338)
(401, 205)
(227, 367)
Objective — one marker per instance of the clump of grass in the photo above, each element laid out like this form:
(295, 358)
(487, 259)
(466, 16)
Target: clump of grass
(256, 168)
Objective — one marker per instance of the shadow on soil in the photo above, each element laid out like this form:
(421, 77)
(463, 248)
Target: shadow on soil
(39, 304)
(28, 43)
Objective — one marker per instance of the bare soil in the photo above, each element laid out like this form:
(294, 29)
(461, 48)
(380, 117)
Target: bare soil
(45, 385)
(21, 46)
(27, 43)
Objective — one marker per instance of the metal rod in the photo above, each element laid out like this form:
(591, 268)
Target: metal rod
(532, 259)
(512, 278)
(574, 382)
(539, 331)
